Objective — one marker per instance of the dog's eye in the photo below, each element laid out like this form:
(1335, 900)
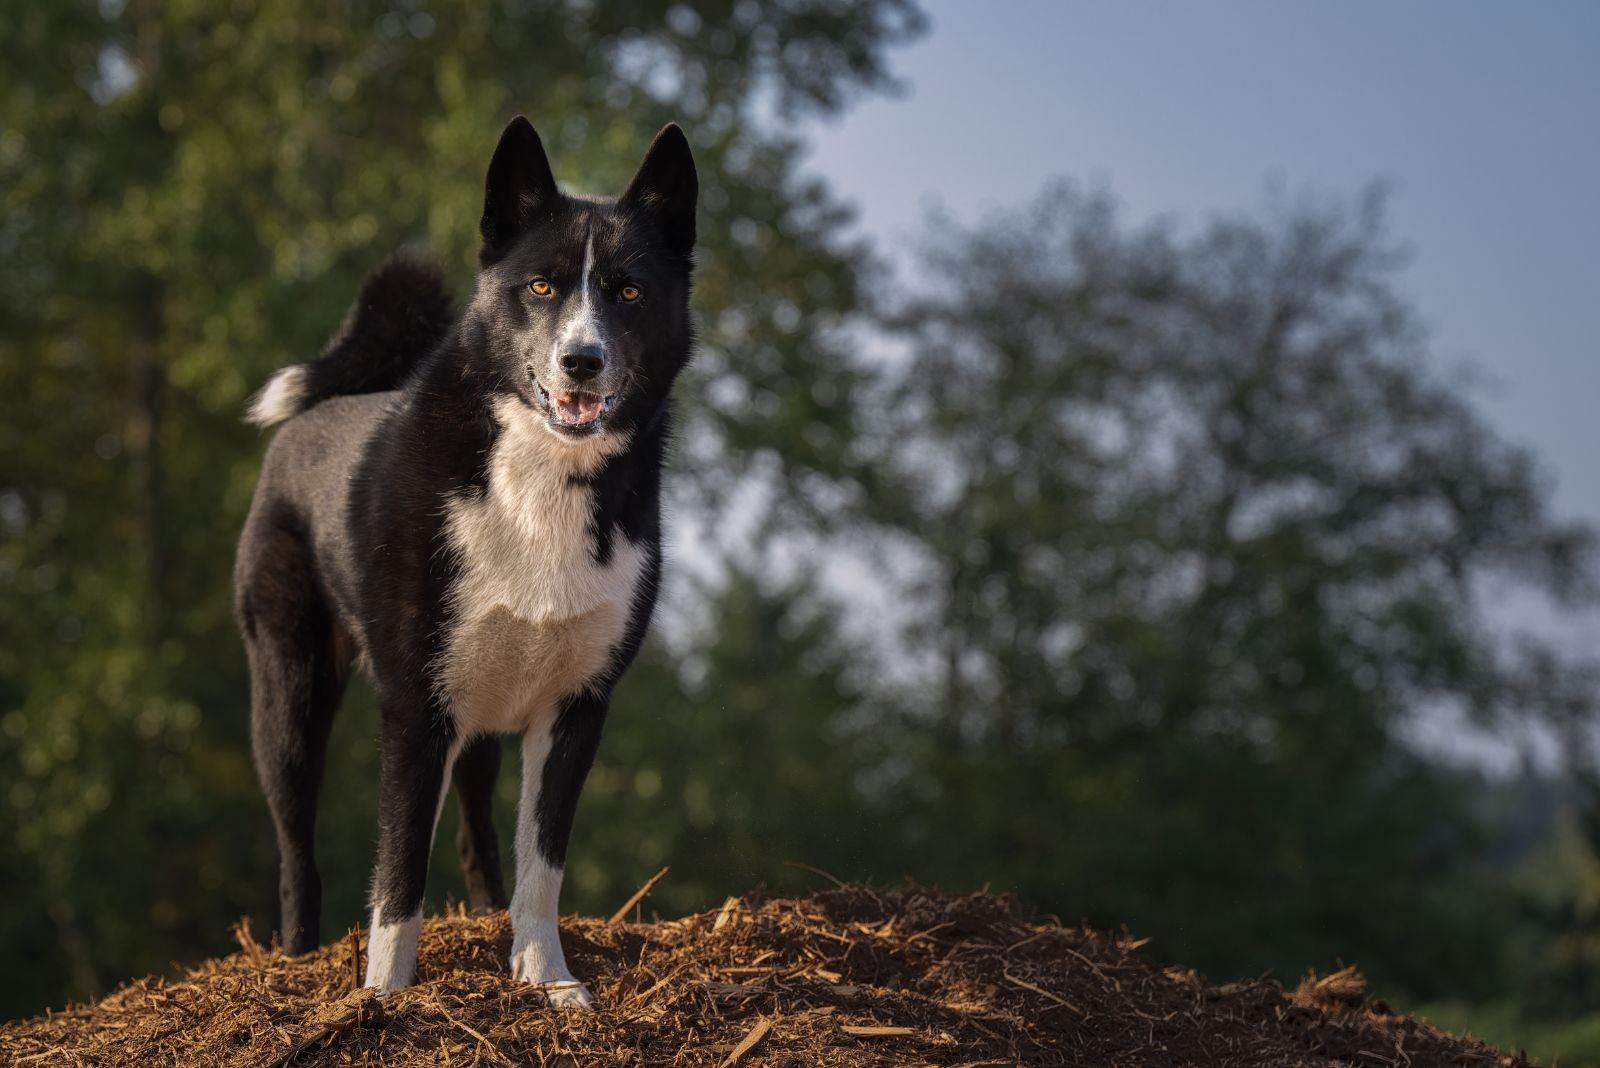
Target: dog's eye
(629, 293)
(541, 287)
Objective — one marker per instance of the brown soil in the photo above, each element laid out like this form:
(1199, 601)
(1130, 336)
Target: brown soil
(847, 977)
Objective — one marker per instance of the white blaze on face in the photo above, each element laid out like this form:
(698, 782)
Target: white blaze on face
(582, 328)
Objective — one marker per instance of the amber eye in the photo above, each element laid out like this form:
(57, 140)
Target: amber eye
(541, 287)
(629, 293)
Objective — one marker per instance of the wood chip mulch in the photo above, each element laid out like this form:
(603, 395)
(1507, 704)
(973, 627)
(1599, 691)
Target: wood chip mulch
(852, 976)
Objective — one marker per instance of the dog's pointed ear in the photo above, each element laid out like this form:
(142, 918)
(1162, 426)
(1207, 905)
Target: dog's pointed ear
(519, 182)
(667, 187)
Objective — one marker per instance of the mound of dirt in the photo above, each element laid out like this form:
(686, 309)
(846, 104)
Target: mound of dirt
(847, 977)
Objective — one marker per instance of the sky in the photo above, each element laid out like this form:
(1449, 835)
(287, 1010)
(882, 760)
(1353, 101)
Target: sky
(1484, 117)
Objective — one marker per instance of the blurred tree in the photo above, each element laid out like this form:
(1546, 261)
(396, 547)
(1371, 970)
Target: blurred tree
(191, 195)
(1203, 534)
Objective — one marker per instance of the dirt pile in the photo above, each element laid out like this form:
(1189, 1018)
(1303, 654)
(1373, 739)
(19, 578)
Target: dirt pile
(846, 977)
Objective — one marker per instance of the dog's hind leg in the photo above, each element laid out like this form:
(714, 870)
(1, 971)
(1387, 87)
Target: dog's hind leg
(297, 670)
(475, 772)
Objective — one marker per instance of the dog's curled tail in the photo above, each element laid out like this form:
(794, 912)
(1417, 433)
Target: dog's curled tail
(402, 313)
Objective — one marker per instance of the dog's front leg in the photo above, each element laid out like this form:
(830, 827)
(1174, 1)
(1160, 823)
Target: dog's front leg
(419, 745)
(556, 756)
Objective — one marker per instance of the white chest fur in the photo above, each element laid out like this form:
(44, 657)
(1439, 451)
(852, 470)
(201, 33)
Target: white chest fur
(537, 617)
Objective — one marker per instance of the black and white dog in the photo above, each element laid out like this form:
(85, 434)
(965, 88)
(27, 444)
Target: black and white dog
(471, 510)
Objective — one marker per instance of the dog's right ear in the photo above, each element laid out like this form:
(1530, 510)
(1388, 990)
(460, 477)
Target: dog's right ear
(519, 182)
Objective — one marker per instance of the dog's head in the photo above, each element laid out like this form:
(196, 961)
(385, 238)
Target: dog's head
(585, 301)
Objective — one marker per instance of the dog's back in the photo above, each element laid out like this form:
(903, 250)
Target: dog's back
(329, 410)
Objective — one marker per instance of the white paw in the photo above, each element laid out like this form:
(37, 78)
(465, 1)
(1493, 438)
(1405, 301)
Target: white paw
(564, 992)
(392, 955)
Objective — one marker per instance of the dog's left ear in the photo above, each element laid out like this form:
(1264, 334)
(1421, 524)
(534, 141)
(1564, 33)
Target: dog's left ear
(667, 187)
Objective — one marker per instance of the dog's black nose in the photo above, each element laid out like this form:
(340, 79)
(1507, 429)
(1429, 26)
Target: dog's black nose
(582, 362)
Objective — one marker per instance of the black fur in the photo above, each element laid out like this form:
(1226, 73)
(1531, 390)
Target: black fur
(519, 182)
(347, 557)
(476, 843)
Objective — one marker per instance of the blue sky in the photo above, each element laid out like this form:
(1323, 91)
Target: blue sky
(1485, 117)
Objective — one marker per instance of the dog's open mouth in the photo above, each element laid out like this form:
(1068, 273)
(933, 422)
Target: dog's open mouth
(576, 408)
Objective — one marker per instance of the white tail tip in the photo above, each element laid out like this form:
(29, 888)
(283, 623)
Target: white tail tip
(282, 397)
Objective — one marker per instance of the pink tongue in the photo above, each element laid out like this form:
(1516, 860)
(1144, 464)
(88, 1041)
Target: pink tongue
(578, 408)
